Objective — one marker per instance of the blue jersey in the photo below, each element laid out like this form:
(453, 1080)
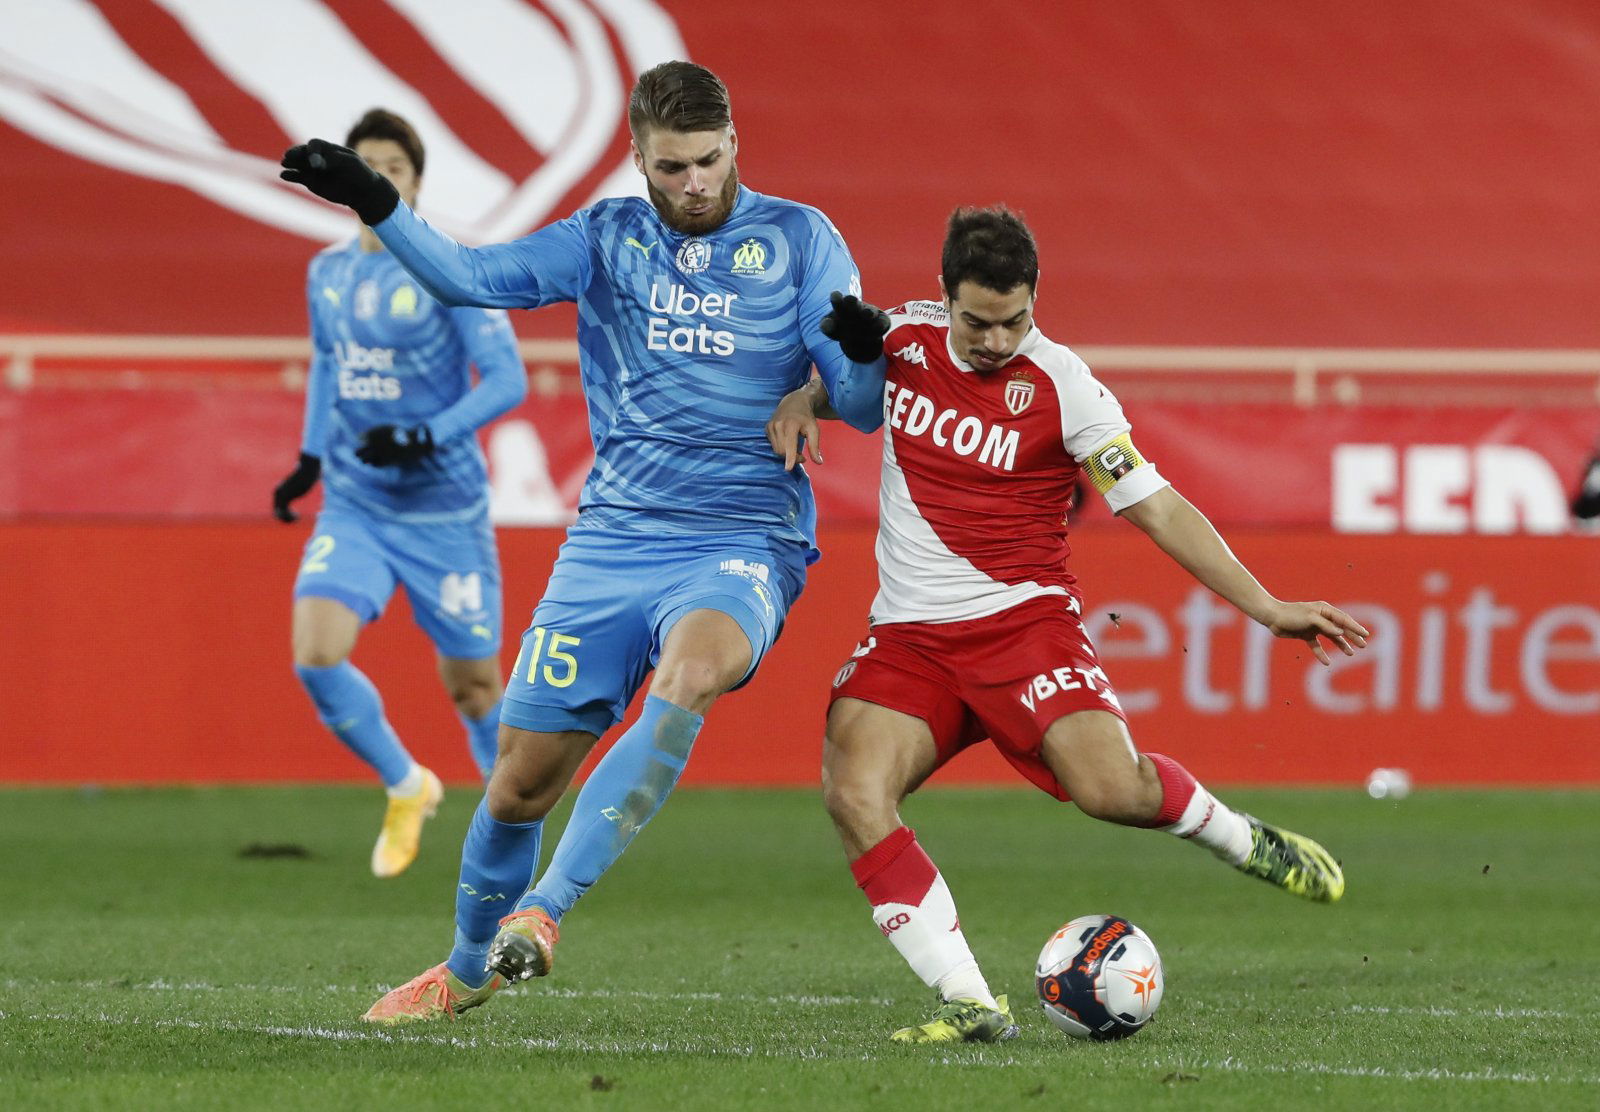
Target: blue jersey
(686, 344)
(385, 352)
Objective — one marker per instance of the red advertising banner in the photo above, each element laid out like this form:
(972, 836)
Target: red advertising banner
(1363, 469)
(160, 652)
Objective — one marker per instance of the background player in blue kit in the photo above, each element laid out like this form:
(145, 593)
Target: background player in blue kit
(390, 416)
(698, 310)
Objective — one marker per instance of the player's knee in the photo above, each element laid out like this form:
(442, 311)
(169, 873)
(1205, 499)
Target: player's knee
(689, 682)
(310, 654)
(514, 798)
(474, 698)
(853, 799)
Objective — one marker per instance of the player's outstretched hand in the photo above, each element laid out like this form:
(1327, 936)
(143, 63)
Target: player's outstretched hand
(338, 174)
(794, 425)
(1312, 622)
(391, 446)
(297, 485)
(1586, 503)
(856, 326)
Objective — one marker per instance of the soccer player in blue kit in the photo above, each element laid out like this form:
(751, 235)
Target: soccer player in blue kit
(390, 415)
(699, 309)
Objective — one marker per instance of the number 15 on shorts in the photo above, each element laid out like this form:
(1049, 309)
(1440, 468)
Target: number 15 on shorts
(560, 668)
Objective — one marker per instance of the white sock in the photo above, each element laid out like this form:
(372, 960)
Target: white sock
(928, 936)
(409, 785)
(1209, 822)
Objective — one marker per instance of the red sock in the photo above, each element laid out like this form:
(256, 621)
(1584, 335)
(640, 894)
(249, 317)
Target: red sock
(1177, 788)
(895, 870)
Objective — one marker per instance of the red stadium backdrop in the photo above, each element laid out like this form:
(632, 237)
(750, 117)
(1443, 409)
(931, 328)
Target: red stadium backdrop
(160, 652)
(1256, 174)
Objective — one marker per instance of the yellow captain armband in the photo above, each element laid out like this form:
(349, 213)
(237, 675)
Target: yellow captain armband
(1111, 461)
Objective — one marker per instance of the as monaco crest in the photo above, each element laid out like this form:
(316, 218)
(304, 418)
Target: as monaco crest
(69, 79)
(1019, 392)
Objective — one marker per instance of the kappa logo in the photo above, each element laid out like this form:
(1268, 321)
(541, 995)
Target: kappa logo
(750, 257)
(913, 353)
(694, 256)
(1019, 392)
(71, 79)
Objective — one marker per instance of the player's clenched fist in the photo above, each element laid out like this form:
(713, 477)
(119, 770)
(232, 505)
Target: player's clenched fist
(391, 446)
(856, 326)
(338, 174)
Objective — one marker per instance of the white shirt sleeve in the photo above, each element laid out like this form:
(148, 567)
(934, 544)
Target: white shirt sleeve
(1097, 434)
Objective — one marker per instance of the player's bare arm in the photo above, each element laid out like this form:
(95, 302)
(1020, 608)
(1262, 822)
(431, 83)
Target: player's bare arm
(1183, 533)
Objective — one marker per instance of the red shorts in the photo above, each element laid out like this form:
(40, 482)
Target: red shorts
(1005, 677)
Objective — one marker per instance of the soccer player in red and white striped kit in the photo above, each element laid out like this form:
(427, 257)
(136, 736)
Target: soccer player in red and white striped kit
(977, 631)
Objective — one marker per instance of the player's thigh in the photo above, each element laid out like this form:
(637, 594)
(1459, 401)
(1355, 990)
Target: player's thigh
(1092, 756)
(894, 718)
(870, 748)
(749, 580)
(705, 652)
(344, 562)
(587, 648)
(451, 574)
(323, 632)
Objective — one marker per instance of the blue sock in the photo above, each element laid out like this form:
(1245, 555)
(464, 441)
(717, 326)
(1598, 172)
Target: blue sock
(623, 793)
(497, 864)
(483, 737)
(350, 706)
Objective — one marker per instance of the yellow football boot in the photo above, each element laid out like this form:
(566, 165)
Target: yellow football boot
(402, 827)
(963, 1021)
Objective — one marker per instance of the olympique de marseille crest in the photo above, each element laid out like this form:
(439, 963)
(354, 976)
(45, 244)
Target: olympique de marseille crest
(550, 71)
(1019, 392)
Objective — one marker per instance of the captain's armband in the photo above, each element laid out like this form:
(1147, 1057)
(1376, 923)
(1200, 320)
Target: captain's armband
(1111, 461)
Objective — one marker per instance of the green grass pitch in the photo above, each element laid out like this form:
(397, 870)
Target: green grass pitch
(729, 962)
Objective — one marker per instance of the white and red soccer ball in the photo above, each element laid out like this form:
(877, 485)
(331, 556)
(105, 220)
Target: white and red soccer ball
(1099, 977)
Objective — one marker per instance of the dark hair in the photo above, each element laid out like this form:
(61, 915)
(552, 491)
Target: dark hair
(678, 96)
(380, 123)
(989, 246)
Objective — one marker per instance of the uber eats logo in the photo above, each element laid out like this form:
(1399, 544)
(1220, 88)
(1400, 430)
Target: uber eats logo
(672, 300)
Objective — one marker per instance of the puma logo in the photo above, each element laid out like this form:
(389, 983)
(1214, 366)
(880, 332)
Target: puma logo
(644, 249)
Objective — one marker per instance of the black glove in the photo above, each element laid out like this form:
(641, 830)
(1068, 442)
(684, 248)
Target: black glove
(1586, 504)
(390, 445)
(857, 327)
(338, 174)
(297, 485)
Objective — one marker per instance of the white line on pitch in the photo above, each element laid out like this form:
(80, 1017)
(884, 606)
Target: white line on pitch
(161, 985)
(587, 1046)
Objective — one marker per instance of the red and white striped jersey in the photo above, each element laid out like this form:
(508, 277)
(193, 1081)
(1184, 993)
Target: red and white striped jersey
(978, 468)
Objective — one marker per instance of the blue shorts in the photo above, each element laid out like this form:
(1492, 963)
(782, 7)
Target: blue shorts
(450, 570)
(611, 600)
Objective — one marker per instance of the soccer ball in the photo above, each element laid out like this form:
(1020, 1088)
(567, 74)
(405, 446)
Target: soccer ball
(1099, 977)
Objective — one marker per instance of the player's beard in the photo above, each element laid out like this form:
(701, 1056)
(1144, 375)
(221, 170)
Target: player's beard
(713, 218)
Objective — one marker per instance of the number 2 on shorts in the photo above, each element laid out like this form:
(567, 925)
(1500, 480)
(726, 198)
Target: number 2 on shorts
(534, 647)
(317, 554)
